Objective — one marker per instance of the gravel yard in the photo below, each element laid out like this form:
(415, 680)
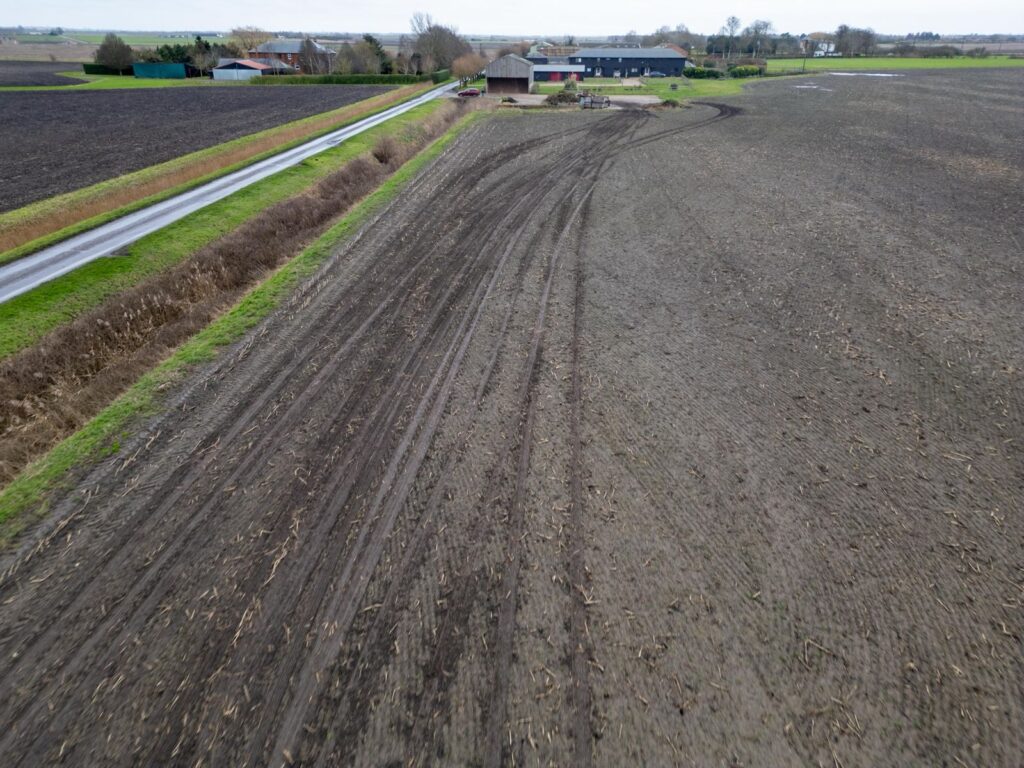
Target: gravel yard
(621, 438)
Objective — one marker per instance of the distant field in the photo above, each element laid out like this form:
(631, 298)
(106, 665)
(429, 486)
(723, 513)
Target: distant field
(887, 62)
(61, 141)
(143, 40)
(66, 51)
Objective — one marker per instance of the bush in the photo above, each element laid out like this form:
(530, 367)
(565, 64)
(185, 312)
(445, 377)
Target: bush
(508, 100)
(441, 75)
(562, 97)
(978, 53)
(747, 71)
(670, 104)
(701, 73)
(340, 79)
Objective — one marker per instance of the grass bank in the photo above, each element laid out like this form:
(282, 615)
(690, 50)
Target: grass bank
(890, 63)
(661, 87)
(27, 318)
(40, 224)
(27, 497)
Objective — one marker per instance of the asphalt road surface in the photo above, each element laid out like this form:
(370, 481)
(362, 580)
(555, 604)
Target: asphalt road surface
(23, 275)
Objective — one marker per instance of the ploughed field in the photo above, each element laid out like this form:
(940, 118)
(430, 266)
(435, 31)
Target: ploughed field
(18, 73)
(689, 437)
(58, 141)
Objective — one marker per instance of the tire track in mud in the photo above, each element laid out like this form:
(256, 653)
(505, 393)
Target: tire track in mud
(365, 486)
(245, 470)
(495, 753)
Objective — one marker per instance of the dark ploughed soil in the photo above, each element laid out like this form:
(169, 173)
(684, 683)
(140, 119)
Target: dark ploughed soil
(37, 73)
(620, 439)
(57, 141)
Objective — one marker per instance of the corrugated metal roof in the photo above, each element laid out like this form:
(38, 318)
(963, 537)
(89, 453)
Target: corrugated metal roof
(289, 46)
(626, 53)
(559, 68)
(243, 64)
(510, 66)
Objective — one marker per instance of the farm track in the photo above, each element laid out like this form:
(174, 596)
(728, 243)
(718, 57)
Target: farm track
(552, 464)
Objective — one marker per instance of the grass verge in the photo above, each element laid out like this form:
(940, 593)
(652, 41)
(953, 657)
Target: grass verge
(27, 318)
(38, 225)
(890, 63)
(27, 496)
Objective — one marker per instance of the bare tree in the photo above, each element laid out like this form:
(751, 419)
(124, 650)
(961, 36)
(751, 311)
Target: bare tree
(250, 38)
(468, 66)
(437, 46)
(312, 60)
(732, 26)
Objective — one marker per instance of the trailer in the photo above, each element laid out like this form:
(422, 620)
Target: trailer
(589, 101)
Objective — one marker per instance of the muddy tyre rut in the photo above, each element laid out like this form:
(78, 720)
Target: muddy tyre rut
(494, 488)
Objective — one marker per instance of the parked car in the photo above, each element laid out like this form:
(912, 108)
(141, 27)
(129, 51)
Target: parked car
(657, 74)
(469, 92)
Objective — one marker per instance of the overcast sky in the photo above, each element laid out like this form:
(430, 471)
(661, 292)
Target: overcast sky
(522, 17)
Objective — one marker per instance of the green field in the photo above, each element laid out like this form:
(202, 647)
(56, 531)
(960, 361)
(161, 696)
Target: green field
(656, 86)
(143, 40)
(106, 82)
(26, 496)
(889, 63)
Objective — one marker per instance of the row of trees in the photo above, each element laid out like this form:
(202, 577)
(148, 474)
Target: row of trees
(115, 53)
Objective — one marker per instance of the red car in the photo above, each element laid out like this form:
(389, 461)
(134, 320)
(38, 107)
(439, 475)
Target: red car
(469, 92)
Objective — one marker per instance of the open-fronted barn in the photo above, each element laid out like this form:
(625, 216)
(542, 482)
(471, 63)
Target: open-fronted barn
(509, 74)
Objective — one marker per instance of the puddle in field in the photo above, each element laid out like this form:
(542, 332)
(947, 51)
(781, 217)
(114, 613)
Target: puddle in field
(813, 87)
(864, 74)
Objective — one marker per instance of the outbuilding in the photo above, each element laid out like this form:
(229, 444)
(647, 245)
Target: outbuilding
(509, 74)
(164, 70)
(629, 62)
(241, 69)
(555, 73)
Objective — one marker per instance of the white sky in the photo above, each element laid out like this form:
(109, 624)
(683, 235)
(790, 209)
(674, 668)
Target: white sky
(521, 17)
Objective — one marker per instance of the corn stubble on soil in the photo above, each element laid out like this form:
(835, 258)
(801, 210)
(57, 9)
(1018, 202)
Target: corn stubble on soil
(680, 439)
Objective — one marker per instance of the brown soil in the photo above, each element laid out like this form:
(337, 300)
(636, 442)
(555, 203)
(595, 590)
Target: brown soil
(59, 141)
(38, 73)
(621, 438)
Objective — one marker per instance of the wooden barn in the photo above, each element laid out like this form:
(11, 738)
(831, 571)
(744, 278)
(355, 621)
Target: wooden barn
(509, 74)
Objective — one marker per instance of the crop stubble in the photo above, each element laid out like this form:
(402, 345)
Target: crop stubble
(563, 461)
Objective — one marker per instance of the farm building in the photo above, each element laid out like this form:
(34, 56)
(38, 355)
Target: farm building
(164, 70)
(558, 72)
(509, 74)
(290, 52)
(629, 62)
(246, 69)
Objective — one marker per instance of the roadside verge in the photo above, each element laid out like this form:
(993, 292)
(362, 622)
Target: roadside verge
(29, 490)
(35, 226)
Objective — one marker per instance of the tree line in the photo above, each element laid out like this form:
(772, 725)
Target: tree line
(431, 46)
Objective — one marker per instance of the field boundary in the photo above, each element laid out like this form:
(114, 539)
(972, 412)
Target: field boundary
(101, 435)
(38, 225)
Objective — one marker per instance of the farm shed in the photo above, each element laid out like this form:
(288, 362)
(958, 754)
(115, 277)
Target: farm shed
(164, 70)
(509, 74)
(629, 62)
(241, 69)
(558, 72)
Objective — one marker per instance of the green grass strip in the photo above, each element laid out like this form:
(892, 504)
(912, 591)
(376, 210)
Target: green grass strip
(27, 318)
(28, 496)
(71, 199)
(890, 63)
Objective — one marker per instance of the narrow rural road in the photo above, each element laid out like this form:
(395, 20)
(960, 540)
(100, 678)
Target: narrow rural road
(23, 275)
